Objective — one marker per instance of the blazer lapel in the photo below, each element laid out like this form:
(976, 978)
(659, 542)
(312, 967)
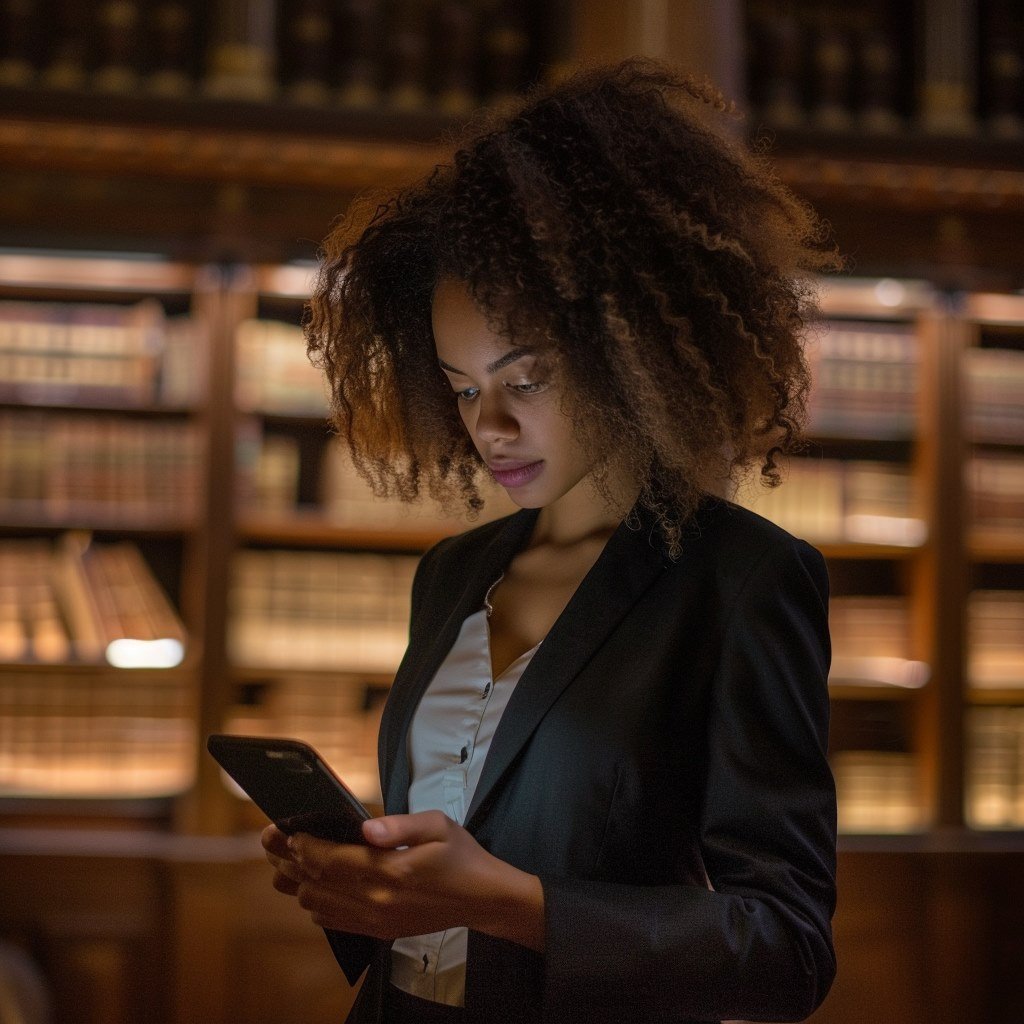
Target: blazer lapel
(625, 569)
(486, 565)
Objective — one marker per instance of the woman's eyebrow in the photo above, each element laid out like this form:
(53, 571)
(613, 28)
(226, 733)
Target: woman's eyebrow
(498, 364)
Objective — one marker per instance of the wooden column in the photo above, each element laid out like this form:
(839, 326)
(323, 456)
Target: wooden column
(940, 574)
(207, 808)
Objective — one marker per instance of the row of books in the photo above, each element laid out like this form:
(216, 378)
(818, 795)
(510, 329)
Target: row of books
(68, 353)
(995, 395)
(878, 791)
(995, 486)
(995, 767)
(832, 500)
(871, 642)
(355, 52)
(995, 635)
(865, 380)
(57, 467)
(340, 718)
(77, 601)
(91, 735)
(826, 67)
(273, 373)
(305, 610)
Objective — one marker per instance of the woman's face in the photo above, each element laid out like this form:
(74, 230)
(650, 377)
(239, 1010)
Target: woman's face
(510, 402)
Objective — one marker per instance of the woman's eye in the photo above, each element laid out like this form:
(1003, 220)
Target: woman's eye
(527, 389)
(467, 394)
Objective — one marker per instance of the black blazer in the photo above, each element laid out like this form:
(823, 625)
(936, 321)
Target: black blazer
(661, 766)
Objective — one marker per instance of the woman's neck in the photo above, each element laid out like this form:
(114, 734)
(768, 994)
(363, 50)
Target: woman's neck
(584, 514)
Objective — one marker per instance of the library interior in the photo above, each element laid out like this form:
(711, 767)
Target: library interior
(186, 548)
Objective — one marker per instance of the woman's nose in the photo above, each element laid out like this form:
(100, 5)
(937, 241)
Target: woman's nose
(495, 423)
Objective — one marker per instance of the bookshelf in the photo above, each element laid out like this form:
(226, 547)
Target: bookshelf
(272, 532)
(102, 398)
(993, 396)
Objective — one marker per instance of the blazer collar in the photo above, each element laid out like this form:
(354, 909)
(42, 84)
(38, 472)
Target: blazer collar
(627, 566)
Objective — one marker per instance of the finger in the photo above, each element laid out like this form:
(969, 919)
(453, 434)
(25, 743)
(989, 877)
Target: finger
(395, 830)
(286, 867)
(274, 841)
(282, 883)
(316, 856)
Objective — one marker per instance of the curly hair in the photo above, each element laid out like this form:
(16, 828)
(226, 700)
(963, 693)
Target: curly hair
(613, 222)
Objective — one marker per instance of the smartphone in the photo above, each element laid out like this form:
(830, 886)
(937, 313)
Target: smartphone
(289, 781)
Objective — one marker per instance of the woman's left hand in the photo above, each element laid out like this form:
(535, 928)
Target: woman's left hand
(421, 873)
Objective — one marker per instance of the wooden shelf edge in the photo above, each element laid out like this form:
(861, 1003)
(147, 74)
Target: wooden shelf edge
(995, 547)
(236, 156)
(986, 695)
(317, 532)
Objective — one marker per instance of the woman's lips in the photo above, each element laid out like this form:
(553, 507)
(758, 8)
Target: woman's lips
(517, 475)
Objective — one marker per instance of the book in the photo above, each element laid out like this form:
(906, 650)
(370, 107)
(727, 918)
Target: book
(98, 470)
(995, 638)
(274, 374)
(995, 395)
(995, 491)
(877, 791)
(96, 734)
(79, 602)
(864, 380)
(319, 610)
(832, 500)
(95, 353)
(995, 767)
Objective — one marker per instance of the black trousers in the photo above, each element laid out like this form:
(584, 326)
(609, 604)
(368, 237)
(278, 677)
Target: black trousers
(402, 1008)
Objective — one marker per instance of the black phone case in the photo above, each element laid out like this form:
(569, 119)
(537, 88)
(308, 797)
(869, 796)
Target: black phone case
(292, 785)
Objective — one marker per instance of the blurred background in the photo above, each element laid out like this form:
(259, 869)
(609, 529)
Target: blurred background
(184, 548)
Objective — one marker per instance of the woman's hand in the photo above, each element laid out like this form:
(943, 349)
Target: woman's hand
(421, 873)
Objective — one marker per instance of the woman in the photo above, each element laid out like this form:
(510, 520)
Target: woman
(603, 757)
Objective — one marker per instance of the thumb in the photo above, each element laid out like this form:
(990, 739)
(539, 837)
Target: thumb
(395, 830)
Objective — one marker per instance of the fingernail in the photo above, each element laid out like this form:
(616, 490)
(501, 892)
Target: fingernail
(375, 830)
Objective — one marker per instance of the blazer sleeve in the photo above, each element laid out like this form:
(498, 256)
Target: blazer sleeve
(756, 944)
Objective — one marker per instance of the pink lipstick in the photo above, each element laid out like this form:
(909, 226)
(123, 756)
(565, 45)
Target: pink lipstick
(517, 475)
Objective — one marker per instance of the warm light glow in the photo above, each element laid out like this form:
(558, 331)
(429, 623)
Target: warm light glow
(879, 671)
(900, 531)
(889, 292)
(126, 653)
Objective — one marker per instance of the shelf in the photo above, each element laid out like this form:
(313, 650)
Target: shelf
(1001, 310)
(317, 532)
(254, 674)
(24, 398)
(996, 694)
(854, 550)
(32, 517)
(996, 546)
(23, 272)
(874, 299)
(861, 692)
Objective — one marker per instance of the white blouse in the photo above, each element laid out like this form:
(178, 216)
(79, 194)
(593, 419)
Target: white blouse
(448, 743)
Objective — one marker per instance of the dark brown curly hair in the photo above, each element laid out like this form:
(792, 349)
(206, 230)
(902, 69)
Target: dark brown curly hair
(613, 222)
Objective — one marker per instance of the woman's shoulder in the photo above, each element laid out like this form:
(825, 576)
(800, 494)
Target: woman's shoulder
(739, 540)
